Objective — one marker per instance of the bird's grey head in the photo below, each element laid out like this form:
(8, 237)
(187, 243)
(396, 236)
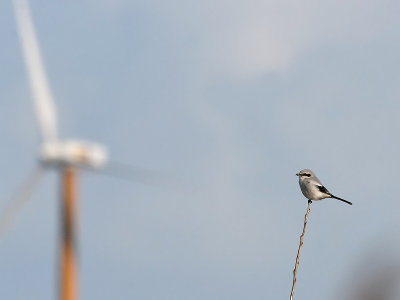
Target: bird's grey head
(306, 173)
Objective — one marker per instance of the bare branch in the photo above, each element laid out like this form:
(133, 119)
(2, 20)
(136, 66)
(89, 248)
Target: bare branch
(298, 252)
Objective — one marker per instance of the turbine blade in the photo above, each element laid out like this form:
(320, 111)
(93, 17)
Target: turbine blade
(41, 93)
(21, 197)
(132, 173)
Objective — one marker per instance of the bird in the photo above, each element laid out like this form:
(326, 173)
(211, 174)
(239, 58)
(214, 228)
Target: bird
(313, 189)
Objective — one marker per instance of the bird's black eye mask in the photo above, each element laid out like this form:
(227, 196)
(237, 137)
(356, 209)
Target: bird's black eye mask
(305, 174)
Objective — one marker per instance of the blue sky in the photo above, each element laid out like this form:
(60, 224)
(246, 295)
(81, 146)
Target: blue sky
(232, 98)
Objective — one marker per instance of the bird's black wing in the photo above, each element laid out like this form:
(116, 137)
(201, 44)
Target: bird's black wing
(323, 189)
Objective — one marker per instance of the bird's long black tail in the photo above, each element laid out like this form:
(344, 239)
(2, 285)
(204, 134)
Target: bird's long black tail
(348, 202)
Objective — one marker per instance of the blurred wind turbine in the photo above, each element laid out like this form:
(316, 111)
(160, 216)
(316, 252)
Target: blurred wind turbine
(66, 156)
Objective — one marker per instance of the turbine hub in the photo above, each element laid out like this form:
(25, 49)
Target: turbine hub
(72, 152)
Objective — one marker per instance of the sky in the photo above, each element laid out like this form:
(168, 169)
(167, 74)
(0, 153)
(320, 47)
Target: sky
(230, 99)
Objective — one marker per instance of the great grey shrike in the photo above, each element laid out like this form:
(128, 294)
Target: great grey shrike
(312, 188)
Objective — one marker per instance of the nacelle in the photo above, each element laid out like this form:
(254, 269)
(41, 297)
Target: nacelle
(77, 153)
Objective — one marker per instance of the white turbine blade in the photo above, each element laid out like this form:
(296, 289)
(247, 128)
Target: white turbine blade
(18, 201)
(44, 103)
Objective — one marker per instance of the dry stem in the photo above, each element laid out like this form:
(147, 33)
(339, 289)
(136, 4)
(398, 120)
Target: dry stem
(298, 252)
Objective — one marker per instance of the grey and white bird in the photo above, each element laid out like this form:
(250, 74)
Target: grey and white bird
(312, 188)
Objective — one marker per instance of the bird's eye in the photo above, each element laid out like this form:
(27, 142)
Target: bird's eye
(305, 174)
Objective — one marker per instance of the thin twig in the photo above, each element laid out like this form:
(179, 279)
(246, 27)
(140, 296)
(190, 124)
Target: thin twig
(298, 252)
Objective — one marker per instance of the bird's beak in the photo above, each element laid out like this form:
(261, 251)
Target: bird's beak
(298, 174)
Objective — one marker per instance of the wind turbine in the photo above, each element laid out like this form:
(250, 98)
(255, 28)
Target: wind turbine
(66, 156)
